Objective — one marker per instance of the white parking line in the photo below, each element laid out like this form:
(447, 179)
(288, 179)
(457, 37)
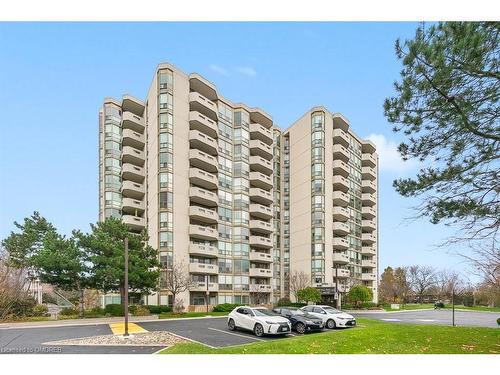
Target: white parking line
(427, 320)
(236, 334)
(391, 320)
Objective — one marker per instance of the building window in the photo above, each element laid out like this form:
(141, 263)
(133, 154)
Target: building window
(166, 220)
(166, 179)
(166, 101)
(166, 141)
(166, 200)
(166, 240)
(166, 122)
(166, 79)
(166, 160)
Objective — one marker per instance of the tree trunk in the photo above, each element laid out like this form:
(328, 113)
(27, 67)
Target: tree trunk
(122, 294)
(173, 303)
(80, 309)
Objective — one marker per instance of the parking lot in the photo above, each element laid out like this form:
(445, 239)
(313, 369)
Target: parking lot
(212, 332)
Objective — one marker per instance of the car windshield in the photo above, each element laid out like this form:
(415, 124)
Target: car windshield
(331, 310)
(264, 312)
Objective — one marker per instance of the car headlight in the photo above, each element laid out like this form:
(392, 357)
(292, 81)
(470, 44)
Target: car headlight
(271, 322)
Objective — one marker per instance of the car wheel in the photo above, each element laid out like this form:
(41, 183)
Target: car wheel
(330, 324)
(300, 328)
(231, 325)
(258, 330)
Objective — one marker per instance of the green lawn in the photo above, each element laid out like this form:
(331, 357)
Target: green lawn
(412, 306)
(190, 315)
(475, 308)
(417, 306)
(370, 337)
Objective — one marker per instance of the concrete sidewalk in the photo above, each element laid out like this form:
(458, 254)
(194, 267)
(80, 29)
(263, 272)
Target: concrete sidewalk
(77, 322)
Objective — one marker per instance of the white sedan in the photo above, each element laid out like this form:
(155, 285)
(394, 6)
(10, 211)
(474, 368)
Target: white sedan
(331, 317)
(259, 320)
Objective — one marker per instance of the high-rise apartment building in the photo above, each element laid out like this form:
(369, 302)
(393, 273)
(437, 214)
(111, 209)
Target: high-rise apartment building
(222, 191)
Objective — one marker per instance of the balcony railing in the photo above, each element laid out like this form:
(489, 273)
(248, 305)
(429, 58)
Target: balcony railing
(261, 196)
(203, 179)
(257, 131)
(259, 164)
(256, 256)
(204, 124)
(261, 272)
(202, 233)
(260, 241)
(203, 250)
(202, 142)
(260, 226)
(340, 214)
(261, 149)
(340, 168)
(199, 103)
(202, 160)
(204, 268)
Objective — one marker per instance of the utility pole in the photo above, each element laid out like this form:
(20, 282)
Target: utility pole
(126, 288)
(207, 292)
(453, 307)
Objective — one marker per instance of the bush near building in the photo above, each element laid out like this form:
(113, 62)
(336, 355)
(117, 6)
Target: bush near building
(358, 295)
(226, 307)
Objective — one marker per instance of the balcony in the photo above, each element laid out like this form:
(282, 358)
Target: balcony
(368, 250)
(368, 238)
(340, 183)
(368, 263)
(340, 153)
(257, 131)
(261, 272)
(259, 226)
(261, 196)
(202, 123)
(340, 258)
(341, 273)
(367, 147)
(135, 223)
(340, 199)
(203, 179)
(340, 137)
(368, 225)
(260, 211)
(340, 122)
(132, 206)
(368, 199)
(256, 256)
(202, 160)
(261, 242)
(340, 168)
(201, 286)
(201, 232)
(204, 268)
(259, 164)
(202, 142)
(261, 288)
(260, 180)
(261, 149)
(368, 186)
(368, 160)
(133, 190)
(203, 250)
(340, 214)
(133, 139)
(341, 228)
(133, 122)
(132, 173)
(203, 215)
(368, 277)
(368, 173)
(339, 243)
(133, 156)
(368, 212)
(199, 103)
(202, 196)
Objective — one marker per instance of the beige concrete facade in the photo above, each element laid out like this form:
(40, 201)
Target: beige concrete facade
(325, 199)
(226, 193)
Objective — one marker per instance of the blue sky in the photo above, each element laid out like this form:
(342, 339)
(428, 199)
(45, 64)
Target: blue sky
(53, 78)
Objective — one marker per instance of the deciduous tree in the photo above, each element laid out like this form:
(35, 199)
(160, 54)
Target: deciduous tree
(421, 279)
(298, 281)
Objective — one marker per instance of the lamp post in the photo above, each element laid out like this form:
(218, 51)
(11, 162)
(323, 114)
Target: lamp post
(207, 293)
(453, 307)
(126, 288)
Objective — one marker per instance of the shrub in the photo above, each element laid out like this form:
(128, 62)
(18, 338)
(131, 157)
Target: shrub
(498, 321)
(69, 311)
(368, 305)
(359, 294)
(284, 302)
(114, 309)
(158, 309)
(297, 304)
(23, 306)
(49, 298)
(226, 307)
(141, 311)
(95, 312)
(439, 304)
(40, 310)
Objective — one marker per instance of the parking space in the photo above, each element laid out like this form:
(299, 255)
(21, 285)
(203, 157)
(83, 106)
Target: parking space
(212, 332)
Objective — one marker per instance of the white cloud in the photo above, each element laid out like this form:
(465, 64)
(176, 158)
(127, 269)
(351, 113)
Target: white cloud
(219, 69)
(246, 70)
(389, 157)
